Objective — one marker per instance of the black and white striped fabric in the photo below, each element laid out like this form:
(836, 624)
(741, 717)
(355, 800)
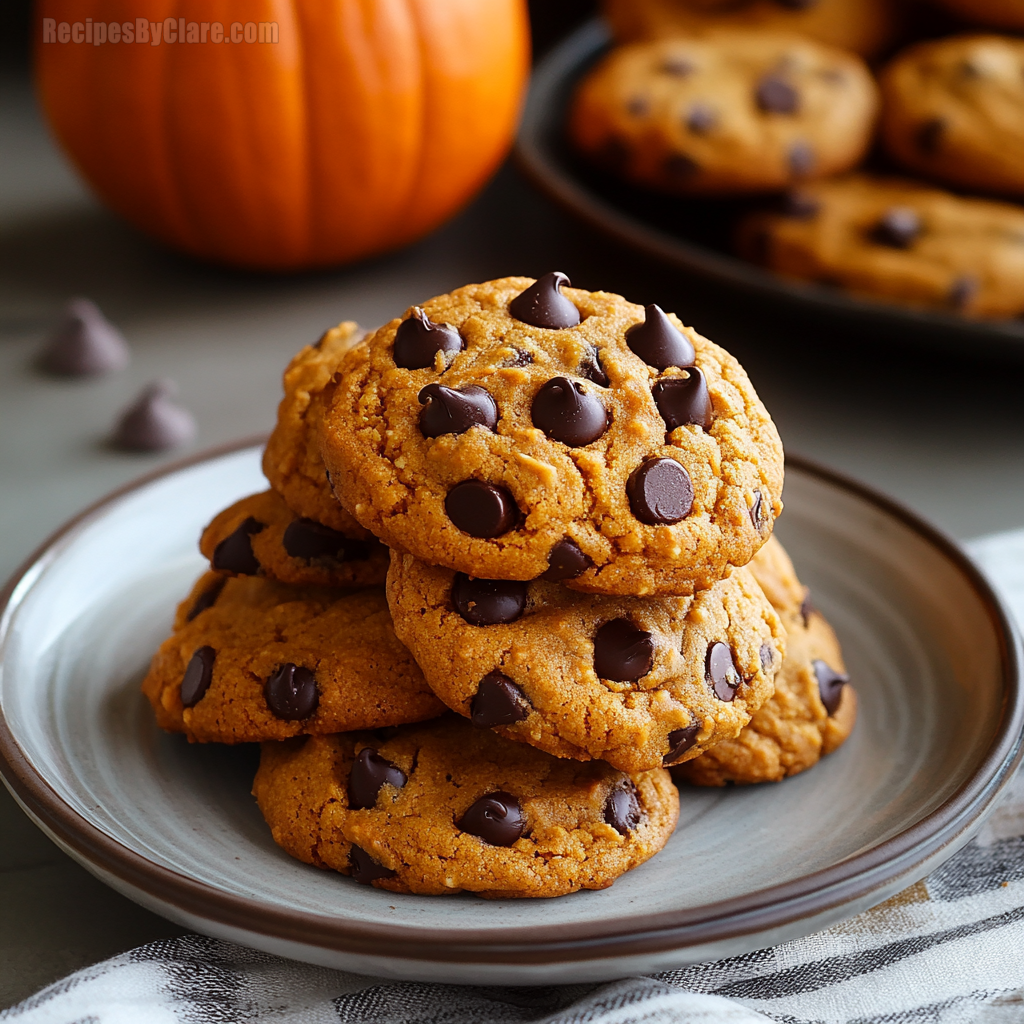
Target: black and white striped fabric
(949, 950)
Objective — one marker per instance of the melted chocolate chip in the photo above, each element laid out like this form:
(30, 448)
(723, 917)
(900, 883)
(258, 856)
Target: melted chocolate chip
(154, 422)
(454, 411)
(86, 344)
(565, 562)
(774, 95)
(518, 358)
(660, 492)
(291, 692)
(207, 599)
(496, 819)
(899, 227)
(758, 512)
(488, 602)
(544, 305)
(679, 166)
(364, 868)
(680, 741)
(622, 652)
(234, 553)
(962, 291)
(481, 509)
(679, 67)
(767, 655)
(198, 676)
(658, 342)
(721, 671)
(591, 368)
(683, 400)
(928, 137)
(568, 413)
(308, 539)
(830, 685)
(701, 118)
(498, 701)
(418, 340)
(369, 773)
(801, 159)
(800, 205)
(622, 808)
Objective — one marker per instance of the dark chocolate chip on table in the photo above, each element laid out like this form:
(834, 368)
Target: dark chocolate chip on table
(899, 227)
(455, 410)
(207, 599)
(496, 819)
(418, 340)
(198, 676)
(830, 685)
(775, 95)
(481, 509)
(658, 342)
(498, 701)
(660, 492)
(308, 539)
(622, 651)
(680, 741)
(154, 422)
(684, 400)
(722, 672)
(565, 562)
(569, 413)
(85, 344)
(622, 808)
(291, 692)
(234, 553)
(364, 868)
(488, 602)
(369, 773)
(544, 305)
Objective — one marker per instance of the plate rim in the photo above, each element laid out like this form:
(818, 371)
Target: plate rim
(761, 911)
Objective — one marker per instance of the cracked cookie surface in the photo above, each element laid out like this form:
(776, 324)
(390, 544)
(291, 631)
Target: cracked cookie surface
(444, 807)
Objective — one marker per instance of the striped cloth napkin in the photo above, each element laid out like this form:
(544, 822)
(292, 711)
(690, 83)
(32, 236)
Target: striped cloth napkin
(948, 950)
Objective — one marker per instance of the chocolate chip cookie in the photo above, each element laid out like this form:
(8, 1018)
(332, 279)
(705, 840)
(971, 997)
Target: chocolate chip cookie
(993, 13)
(444, 807)
(639, 682)
(953, 110)
(521, 429)
(864, 26)
(730, 114)
(896, 240)
(252, 659)
(813, 709)
(291, 461)
(261, 536)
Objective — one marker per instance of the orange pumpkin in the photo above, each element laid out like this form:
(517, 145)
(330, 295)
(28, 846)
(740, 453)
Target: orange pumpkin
(365, 125)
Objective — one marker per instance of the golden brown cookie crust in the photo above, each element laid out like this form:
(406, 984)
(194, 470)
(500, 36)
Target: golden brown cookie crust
(291, 461)
(395, 481)
(272, 528)
(706, 116)
(302, 790)
(365, 677)
(968, 256)
(548, 654)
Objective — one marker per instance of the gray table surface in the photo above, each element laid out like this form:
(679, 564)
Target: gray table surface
(942, 432)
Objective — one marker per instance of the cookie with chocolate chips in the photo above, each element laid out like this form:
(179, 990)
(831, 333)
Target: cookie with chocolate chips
(729, 114)
(261, 536)
(252, 659)
(813, 709)
(898, 240)
(520, 429)
(953, 110)
(638, 682)
(444, 807)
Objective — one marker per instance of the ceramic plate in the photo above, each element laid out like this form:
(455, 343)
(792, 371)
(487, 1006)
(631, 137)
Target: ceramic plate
(694, 236)
(173, 826)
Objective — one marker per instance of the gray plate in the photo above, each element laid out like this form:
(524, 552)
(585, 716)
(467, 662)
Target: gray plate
(173, 826)
(693, 236)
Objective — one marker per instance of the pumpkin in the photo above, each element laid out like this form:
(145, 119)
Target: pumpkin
(315, 132)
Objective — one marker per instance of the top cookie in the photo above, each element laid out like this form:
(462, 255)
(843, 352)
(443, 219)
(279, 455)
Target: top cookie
(512, 430)
(953, 109)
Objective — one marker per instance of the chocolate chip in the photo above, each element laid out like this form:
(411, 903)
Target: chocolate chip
(496, 819)
(679, 166)
(154, 422)
(454, 411)
(544, 305)
(481, 509)
(565, 562)
(658, 342)
(198, 676)
(928, 137)
(622, 808)
(962, 291)
(701, 118)
(308, 539)
(830, 685)
(568, 413)
(767, 655)
(898, 227)
(680, 741)
(806, 610)
(518, 358)
(638, 106)
(498, 701)
(364, 868)
(679, 67)
(369, 773)
(622, 652)
(488, 602)
(591, 368)
(660, 492)
(207, 599)
(800, 205)
(721, 671)
(234, 553)
(291, 692)
(86, 344)
(418, 340)
(683, 400)
(801, 159)
(759, 512)
(774, 95)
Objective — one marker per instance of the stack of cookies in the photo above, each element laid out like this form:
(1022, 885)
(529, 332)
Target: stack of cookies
(570, 499)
